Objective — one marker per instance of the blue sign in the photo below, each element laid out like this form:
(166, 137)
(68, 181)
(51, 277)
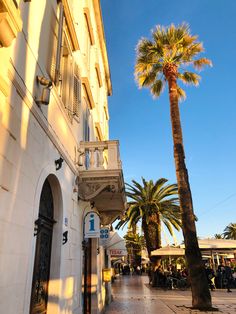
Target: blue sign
(91, 225)
(104, 235)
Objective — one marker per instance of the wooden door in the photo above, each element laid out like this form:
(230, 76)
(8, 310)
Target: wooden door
(41, 274)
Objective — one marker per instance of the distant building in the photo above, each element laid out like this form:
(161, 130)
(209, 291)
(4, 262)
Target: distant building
(56, 161)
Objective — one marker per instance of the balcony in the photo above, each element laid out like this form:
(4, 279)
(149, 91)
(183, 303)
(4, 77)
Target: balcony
(100, 179)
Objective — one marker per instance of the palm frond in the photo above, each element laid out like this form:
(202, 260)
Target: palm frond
(146, 79)
(200, 63)
(181, 93)
(189, 78)
(157, 88)
(190, 52)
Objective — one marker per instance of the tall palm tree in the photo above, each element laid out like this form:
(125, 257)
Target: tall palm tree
(160, 61)
(152, 203)
(230, 231)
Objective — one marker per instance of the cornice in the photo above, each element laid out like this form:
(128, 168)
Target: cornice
(102, 42)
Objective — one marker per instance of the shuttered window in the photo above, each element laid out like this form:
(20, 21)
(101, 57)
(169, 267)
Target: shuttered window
(70, 90)
(77, 91)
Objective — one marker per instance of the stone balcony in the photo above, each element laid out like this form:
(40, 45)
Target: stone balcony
(100, 179)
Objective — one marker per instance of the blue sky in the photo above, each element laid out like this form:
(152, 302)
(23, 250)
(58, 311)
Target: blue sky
(208, 115)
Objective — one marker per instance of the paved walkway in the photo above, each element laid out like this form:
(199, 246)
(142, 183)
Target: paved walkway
(133, 295)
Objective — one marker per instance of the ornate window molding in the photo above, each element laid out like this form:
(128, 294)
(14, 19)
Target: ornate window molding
(10, 22)
(88, 92)
(98, 73)
(99, 131)
(106, 112)
(89, 25)
(70, 25)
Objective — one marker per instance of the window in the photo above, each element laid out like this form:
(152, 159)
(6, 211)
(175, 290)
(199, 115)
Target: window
(88, 92)
(77, 91)
(11, 22)
(89, 38)
(70, 81)
(86, 124)
(63, 69)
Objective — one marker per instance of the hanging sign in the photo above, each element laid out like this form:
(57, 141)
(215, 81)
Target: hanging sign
(104, 235)
(91, 225)
(116, 252)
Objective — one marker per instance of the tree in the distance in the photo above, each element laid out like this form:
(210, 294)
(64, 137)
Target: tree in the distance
(230, 231)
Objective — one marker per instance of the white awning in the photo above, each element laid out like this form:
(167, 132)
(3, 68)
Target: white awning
(168, 251)
(116, 245)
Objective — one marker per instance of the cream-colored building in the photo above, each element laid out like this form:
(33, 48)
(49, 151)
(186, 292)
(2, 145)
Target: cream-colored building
(56, 160)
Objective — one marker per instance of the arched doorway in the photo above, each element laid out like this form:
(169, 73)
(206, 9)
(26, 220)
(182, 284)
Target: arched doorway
(41, 274)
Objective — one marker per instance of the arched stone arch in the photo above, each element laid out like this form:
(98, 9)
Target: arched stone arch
(54, 284)
(54, 289)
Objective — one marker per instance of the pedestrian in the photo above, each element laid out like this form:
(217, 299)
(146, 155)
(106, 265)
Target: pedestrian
(138, 270)
(228, 276)
(149, 272)
(210, 276)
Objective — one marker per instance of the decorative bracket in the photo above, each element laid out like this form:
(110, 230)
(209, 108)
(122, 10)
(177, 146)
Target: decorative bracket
(89, 190)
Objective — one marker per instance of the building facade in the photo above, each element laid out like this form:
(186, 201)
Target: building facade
(57, 163)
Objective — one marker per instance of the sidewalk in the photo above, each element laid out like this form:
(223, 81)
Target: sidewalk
(133, 295)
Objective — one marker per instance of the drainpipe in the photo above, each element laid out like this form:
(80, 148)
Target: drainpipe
(59, 43)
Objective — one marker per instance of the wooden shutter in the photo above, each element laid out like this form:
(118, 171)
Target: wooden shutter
(76, 91)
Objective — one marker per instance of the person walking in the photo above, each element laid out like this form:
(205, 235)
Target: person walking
(210, 276)
(228, 276)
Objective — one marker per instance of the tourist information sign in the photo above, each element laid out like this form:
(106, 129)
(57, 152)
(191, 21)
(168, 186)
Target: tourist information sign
(91, 225)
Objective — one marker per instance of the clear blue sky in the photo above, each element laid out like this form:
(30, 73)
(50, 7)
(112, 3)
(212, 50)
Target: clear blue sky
(208, 115)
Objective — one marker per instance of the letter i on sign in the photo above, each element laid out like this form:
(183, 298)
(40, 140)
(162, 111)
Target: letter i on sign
(91, 223)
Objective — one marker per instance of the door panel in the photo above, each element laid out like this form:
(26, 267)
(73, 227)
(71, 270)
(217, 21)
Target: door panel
(39, 294)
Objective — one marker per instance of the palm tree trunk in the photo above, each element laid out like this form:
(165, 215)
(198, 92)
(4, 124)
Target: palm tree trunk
(201, 297)
(152, 235)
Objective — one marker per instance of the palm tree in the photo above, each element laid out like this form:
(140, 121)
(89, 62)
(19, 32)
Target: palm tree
(152, 203)
(135, 243)
(230, 231)
(160, 61)
(218, 236)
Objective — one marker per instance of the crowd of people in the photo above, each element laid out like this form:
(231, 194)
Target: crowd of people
(133, 270)
(223, 277)
(170, 278)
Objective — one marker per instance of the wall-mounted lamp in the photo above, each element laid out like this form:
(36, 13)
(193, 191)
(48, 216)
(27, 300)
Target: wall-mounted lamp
(44, 88)
(58, 163)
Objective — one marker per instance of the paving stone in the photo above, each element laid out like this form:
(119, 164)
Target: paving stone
(133, 295)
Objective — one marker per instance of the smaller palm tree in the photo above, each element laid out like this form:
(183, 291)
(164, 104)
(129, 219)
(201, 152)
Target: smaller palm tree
(152, 203)
(218, 236)
(230, 231)
(135, 243)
